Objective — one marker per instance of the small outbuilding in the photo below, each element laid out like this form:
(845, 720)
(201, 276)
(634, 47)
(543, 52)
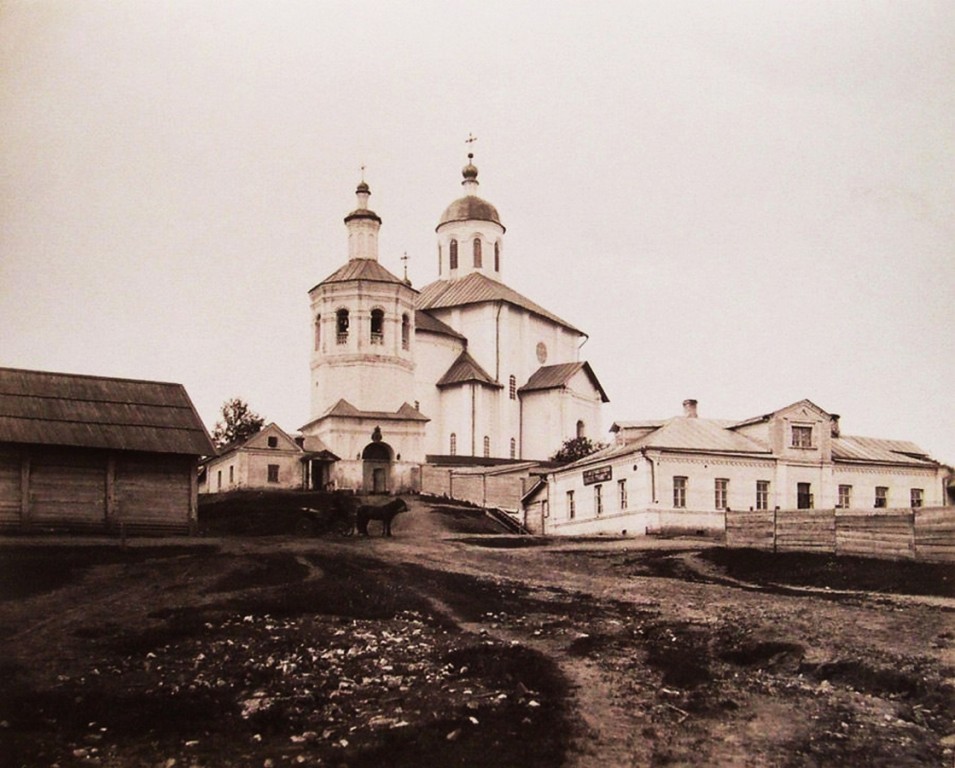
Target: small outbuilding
(95, 453)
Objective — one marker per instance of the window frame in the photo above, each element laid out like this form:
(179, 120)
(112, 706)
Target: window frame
(805, 434)
(377, 321)
(844, 496)
(762, 494)
(272, 471)
(804, 496)
(680, 484)
(721, 486)
(622, 493)
(478, 255)
(598, 500)
(881, 495)
(916, 497)
(453, 254)
(571, 505)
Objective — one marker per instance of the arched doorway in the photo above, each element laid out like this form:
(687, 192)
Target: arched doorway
(376, 467)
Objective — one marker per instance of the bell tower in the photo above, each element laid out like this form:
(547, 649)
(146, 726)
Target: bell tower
(362, 326)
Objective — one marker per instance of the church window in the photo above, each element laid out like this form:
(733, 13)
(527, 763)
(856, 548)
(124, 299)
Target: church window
(440, 257)
(513, 448)
(341, 324)
(477, 252)
(497, 256)
(487, 446)
(454, 444)
(454, 254)
(405, 331)
(581, 430)
(318, 332)
(512, 387)
(377, 326)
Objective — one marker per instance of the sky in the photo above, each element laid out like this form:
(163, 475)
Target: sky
(744, 203)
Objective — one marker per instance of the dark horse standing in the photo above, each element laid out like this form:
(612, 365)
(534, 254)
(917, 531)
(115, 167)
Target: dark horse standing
(384, 512)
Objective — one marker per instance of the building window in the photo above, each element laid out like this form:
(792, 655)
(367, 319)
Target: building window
(477, 252)
(581, 429)
(318, 332)
(377, 326)
(231, 475)
(679, 493)
(405, 331)
(721, 487)
(513, 448)
(454, 444)
(571, 506)
(881, 496)
(273, 441)
(497, 256)
(219, 480)
(440, 257)
(454, 254)
(845, 497)
(487, 446)
(802, 437)
(622, 493)
(598, 499)
(804, 498)
(762, 494)
(916, 498)
(341, 326)
(273, 473)
(512, 387)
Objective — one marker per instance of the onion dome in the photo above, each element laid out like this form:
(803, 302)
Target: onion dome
(470, 207)
(362, 211)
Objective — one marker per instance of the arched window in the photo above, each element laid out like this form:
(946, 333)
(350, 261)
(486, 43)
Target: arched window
(318, 332)
(341, 325)
(487, 446)
(454, 444)
(405, 331)
(377, 326)
(512, 387)
(454, 254)
(477, 252)
(440, 256)
(497, 256)
(513, 448)
(580, 429)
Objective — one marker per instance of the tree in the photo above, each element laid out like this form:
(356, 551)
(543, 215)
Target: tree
(238, 423)
(576, 448)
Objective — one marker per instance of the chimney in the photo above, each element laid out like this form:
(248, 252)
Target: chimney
(834, 424)
(689, 409)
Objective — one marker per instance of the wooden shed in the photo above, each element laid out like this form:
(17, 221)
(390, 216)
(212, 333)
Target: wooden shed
(95, 453)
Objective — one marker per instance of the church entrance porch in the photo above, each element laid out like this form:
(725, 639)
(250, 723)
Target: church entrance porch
(377, 461)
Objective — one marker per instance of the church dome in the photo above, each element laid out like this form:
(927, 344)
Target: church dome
(470, 208)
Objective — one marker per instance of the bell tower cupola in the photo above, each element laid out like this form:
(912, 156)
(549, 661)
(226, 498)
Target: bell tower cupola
(363, 225)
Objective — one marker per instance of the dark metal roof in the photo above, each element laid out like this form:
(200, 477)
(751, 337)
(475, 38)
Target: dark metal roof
(361, 269)
(43, 408)
(470, 208)
(556, 376)
(466, 369)
(425, 321)
(877, 450)
(476, 288)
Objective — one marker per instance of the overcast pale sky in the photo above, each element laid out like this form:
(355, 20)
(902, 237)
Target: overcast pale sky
(747, 203)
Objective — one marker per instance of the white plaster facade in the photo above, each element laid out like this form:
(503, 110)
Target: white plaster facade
(683, 473)
(400, 375)
(268, 459)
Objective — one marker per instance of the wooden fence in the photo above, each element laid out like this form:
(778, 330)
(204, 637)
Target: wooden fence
(926, 534)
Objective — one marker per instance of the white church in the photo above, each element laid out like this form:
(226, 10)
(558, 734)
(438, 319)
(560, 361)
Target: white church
(464, 367)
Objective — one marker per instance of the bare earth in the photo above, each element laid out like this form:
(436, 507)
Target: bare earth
(447, 646)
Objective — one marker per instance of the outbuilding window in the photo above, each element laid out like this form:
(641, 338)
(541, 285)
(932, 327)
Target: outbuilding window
(881, 496)
(721, 487)
(916, 498)
(622, 493)
(762, 494)
(571, 506)
(273, 441)
(273, 473)
(845, 497)
(598, 499)
(679, 492)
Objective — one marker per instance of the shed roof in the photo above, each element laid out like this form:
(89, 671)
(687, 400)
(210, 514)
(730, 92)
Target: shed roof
(44, 408)
(872, 449)
(477, 288)
(425, 321)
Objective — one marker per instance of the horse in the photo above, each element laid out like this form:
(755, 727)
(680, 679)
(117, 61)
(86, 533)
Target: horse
(383, 512)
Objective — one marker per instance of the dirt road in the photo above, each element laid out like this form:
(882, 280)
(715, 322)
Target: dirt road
(446, 646)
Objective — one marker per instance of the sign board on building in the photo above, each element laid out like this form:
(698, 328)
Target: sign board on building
(598, 475)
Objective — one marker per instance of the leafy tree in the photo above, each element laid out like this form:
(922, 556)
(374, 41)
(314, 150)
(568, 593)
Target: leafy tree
(576, 448)
(238, 423)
